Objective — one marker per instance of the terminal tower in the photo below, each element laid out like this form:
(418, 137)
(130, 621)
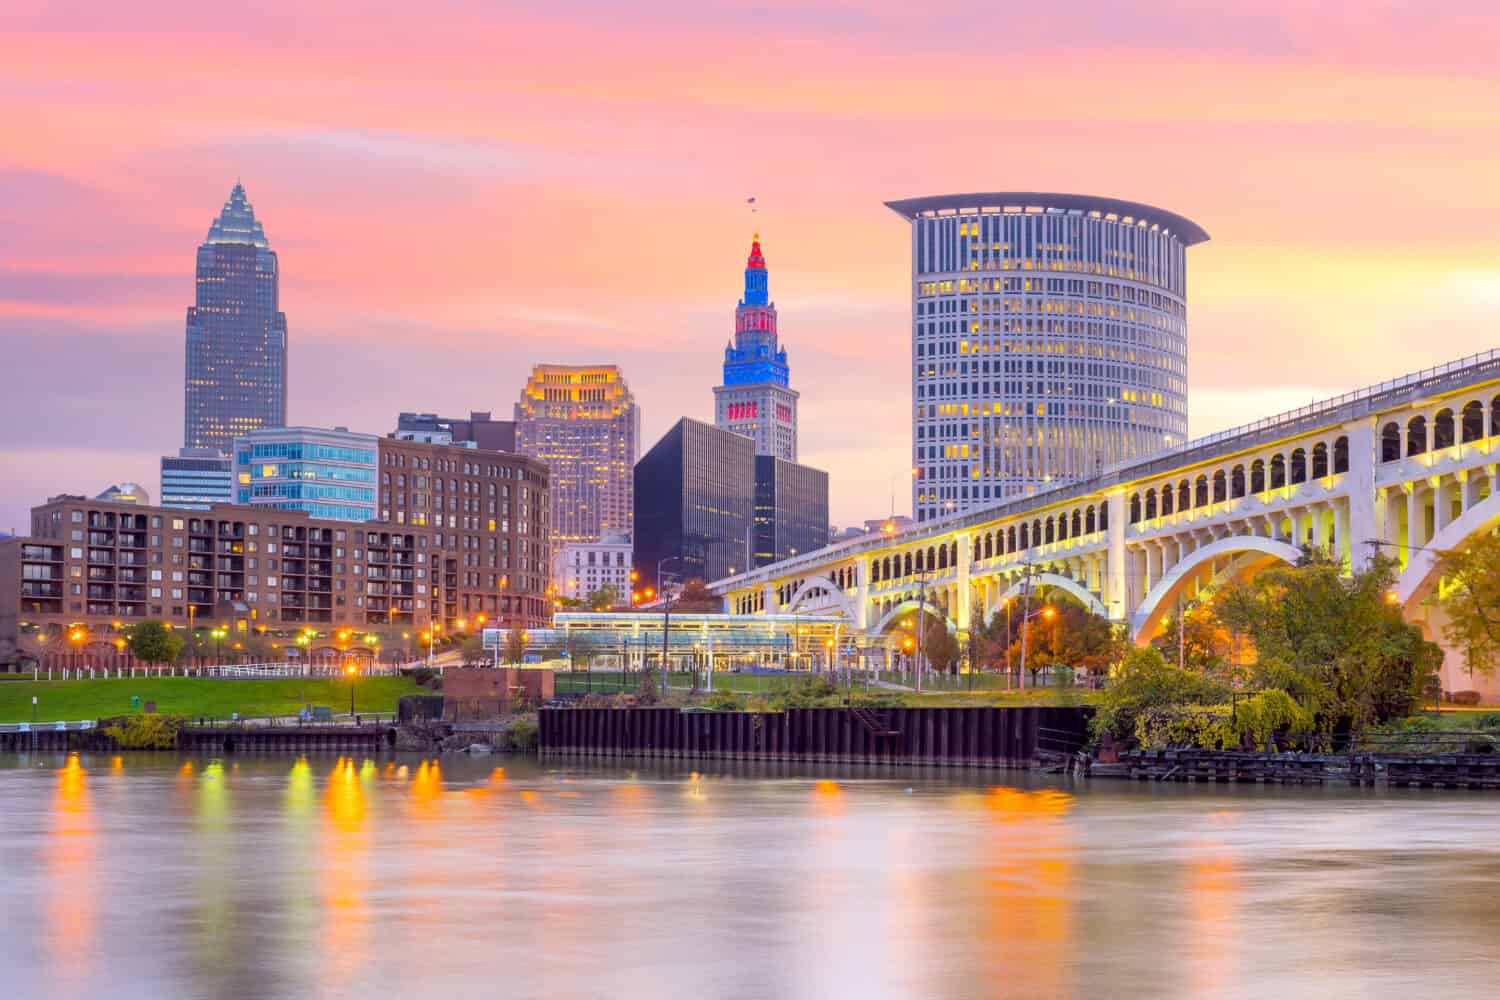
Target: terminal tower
(756, 399)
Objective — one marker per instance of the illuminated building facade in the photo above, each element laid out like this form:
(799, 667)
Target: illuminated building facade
(236, 334)
(323, 472)
(582, 422)
(1049, 340)
(756, 399)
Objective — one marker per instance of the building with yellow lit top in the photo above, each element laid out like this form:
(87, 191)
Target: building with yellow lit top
(582, 421)
(1049, 340)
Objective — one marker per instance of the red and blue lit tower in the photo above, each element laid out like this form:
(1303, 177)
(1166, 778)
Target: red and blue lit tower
(756, 399)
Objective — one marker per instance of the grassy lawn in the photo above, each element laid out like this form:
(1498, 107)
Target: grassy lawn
(193, 697)
(988, 690)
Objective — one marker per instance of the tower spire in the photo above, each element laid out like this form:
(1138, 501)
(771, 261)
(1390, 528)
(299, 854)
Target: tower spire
(757, 292)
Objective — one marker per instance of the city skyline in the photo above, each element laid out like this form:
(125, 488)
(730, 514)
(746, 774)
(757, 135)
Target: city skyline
(1293, 145)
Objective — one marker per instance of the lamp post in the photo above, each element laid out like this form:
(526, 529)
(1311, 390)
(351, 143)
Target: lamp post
(352, 673)
(666, 618)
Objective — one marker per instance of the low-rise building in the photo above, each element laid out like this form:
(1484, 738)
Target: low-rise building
(583, 568)
(480, 430)
(325, 472)
(196, 479)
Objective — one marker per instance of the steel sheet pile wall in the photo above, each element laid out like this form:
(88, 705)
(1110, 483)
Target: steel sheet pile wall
(958, 736)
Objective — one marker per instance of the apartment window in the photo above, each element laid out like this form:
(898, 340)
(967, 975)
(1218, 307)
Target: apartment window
(176, 524)
(77, 517)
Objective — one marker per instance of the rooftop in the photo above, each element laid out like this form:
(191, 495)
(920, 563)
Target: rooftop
(1043, 201)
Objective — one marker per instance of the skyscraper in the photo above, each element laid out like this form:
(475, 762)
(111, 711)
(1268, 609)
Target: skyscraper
(582, 421)
(1049, 339)
(236, 334)
(756, 399)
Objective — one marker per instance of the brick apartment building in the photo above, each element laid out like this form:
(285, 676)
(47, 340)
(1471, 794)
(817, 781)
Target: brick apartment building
(461, 533)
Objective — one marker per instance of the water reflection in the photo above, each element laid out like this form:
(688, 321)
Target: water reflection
(415, 877)
(72, 846)
(343, 866)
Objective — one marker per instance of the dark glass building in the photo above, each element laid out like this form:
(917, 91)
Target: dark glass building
(236, 334)
(694, 502)
(791, 509)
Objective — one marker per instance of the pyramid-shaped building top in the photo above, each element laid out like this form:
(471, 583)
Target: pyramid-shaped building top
(236, 223)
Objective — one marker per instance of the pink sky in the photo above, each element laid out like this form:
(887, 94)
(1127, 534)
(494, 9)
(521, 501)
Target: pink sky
(459, 190)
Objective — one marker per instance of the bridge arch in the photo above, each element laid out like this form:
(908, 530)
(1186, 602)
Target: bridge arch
(1145, 623)
(1084, 596)
(906, 607)
(1421, 573)
(817, 583)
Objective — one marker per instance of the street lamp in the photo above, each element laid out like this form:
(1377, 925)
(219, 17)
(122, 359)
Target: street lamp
(353, 673)
(666, 619)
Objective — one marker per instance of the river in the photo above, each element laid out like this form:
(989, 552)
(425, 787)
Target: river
(149, 876)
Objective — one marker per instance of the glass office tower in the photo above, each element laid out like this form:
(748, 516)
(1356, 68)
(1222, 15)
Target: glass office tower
(236, 334)
(791, 509)
(695, 503)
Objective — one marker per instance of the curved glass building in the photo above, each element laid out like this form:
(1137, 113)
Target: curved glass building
(1049, 339)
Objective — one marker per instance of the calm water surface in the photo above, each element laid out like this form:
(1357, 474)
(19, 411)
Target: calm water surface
(323, 876)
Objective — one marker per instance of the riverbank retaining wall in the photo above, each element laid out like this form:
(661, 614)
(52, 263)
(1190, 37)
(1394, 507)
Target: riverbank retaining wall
(983, 737)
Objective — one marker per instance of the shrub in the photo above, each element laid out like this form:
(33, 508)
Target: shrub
(1208, 727)
(724, 701)
(1488, 721)
(522, 733)
(422, 675)
(145, 731)
(1271, 711)
(808, 692)
(1463, 697)
(1145, 681)
(648, 692)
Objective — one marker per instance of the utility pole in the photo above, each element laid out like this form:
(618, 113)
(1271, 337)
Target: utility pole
(921, 624)
(666, 618)
(973, 658)
(1025, 616)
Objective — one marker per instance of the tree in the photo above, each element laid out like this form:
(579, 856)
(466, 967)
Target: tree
(515, 646)
(1471, 599)
(151, 641)
(474, 653)
(603, 599)
(1206, 643)
(696, 596)
(1071, 636)
(564, 601)
(939, 646)
(579, 648)
(1332, 642)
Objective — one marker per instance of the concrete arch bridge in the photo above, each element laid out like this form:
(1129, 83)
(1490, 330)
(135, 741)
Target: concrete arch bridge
(1407, 466)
